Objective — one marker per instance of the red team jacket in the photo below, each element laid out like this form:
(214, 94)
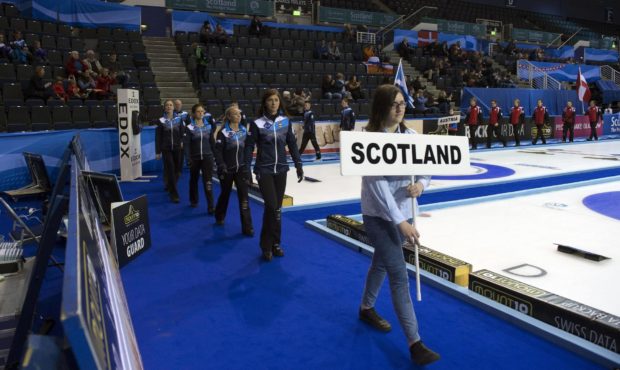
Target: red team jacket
(517, 115)
(594, 114)
(495, 115)
(568, 116)
(540, 115)
(474, 115)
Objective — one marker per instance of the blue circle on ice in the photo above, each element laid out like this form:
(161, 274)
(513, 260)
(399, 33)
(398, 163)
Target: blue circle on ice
(607, 204)
(490, 171)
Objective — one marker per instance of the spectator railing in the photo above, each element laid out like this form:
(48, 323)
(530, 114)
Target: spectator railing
(401, 21)
(570, 38)
(536, 77)
(608, 73)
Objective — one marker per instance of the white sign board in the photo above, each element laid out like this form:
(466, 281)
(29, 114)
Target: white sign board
(448, 120)
(383, 154)
(129, 146)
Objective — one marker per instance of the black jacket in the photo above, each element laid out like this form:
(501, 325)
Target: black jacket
(199, 141)
(347, 119)
(168, 134)
(271, 136)
(309, 125)
(230, 149)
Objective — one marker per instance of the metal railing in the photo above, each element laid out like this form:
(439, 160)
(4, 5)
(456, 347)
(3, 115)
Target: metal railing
(608, 73)
(400, 21)
(570, 38)
(536, 77)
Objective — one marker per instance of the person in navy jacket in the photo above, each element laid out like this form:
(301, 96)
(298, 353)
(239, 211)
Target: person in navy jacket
(168, 139)
(309, 131)
(347, 116)
(495, 120)
(594, 115)
(271, 132)
(229, 156)
(473, 119)
(517, 119)
(540, 116)
(199, 144)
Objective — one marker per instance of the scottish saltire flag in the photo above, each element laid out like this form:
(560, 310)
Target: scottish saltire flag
(401, 82)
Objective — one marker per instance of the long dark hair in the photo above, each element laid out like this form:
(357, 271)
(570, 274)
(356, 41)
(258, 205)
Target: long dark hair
(381, 106)
(266, 95)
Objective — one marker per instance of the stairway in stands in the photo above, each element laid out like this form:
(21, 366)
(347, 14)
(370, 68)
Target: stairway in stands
(412, 71)
(171, 76)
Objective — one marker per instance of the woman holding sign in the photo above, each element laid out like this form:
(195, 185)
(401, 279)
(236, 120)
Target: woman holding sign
(272, 133)
(387, 210)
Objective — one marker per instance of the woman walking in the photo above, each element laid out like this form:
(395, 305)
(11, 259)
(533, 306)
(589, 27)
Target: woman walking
(168, 139)
(199, 147)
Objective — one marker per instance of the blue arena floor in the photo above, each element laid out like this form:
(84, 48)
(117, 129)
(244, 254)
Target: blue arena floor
(201, 298)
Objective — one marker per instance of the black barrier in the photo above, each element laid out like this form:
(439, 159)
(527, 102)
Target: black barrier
(131, 233)
(437, 263)
(598, 327)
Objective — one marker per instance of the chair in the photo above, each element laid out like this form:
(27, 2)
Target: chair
(81, 117)
(41, 118)
(61, 117)
(18, 119)
(150, 95)
(111, 113)
(12, 93)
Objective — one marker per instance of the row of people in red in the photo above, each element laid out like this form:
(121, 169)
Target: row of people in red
(230, 148)
(516, 117)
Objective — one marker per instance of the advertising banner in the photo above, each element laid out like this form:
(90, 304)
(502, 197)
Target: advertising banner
(341, 15)
(249, 7)
(131, 232)
(129, 147)
(582, 126)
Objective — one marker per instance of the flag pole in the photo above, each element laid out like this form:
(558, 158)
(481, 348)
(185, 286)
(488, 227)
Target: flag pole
(416, 245)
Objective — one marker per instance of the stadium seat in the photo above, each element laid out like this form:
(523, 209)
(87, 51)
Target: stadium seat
(12, 94)
(98, 116)
(41, 118)
(153, 113)
(81, 116)
(112, 115)
(18, 119)
(61, 117)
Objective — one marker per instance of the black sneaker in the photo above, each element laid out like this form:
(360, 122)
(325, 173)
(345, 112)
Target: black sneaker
(249, 233)
(422, 355)
(277, 251)
(210, 211)
(174, 198)
(219, 222)
(193, 205)
(267, 256)
(371, 317)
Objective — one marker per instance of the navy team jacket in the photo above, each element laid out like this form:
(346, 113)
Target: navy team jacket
(271, 136)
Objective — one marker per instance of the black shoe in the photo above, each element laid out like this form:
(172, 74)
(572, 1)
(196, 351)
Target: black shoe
(596, 139)
(211, 211)
(193, 205)
(422, 355)
(277, 251)
(249, 233)
(371, 317)
(174, 198)
(505, 145)
(267, 256)
(219, 222)
(517, 144)
(589, 139)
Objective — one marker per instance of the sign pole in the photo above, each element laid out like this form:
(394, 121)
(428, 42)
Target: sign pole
(416, 250)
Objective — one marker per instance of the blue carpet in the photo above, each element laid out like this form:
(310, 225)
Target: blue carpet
(201, 298)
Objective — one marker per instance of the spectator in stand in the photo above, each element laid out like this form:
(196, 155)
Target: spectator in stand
(5, 50)
(298, 102)
(495, 120)
(511, 48)
(540, 116)
(419, 103)
(73, 90)
(354, 87)
(37, 88)
(404, 49)
(328, 88)
(321, 51)
(473, 119)
(609, 110)
(417, 84)
(104, 84)
(443, 102)
(594, 116)
(59, 89)
(349, 33)
(202, 59)
(221, 37)
(286, 100)
(333, 52)
(20, 53)
(74, 66)
(92, 63)
(40, 55)
(339, 86)
(368, 51)
(256, 27)
(431, 104)
(115, 68)
(206, 33)
(87, 84)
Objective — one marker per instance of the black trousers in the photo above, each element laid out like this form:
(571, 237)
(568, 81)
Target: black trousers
(226, 184)
(515, 131)
(492, 129)
(200, 73)
(272, 188)
(172, 171)
(310, 136)
(593, 131)
(539, 134)
(206, 167)
(472, 136)
(570, 128)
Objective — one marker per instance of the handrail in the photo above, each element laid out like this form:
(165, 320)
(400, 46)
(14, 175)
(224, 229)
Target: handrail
(526, 71)
(609, 73)
(401, 20)
(568, 39)
(552, 41)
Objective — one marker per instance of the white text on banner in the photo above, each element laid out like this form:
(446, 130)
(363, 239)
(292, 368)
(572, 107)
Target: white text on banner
(382, 154)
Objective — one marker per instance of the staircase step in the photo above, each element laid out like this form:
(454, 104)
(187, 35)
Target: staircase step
(176, 84)
(179, 77)
(176, 90)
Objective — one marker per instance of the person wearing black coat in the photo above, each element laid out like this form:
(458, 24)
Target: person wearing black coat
(168, 139)
(199, 144)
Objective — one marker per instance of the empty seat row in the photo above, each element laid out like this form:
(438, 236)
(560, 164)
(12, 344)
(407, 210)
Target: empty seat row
(262, 53)
(286, 33)
(247, 65)
(37, 118)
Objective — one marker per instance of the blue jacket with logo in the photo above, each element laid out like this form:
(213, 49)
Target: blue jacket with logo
(199, 141)
(168, 134)
(230, 148)
(347, 119)
(271, 135)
